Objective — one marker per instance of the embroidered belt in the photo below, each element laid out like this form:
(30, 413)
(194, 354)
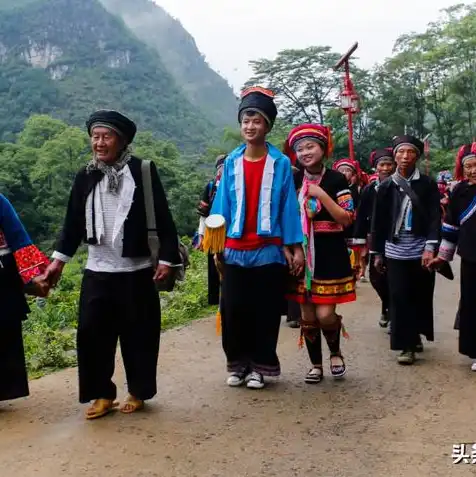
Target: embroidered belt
(324, 226)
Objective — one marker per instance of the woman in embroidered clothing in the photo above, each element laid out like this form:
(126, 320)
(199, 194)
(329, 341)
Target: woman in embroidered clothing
(21, 269)
(459, 233)
(257, 198)
(350, 168)
(326, 210)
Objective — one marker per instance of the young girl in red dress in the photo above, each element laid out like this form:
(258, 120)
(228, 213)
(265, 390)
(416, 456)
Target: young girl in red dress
(326, 211)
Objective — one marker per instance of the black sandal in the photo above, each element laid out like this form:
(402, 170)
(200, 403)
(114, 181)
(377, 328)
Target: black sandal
(338, 370)
(315, 375)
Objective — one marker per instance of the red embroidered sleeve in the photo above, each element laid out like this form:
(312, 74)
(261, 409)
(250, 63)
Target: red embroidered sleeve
(30, 262)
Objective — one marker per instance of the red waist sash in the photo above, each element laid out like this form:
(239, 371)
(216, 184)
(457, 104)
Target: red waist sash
(325, 226)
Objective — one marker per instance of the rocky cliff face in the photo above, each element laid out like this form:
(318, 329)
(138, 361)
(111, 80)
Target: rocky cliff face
(180, 55)
(69, 57)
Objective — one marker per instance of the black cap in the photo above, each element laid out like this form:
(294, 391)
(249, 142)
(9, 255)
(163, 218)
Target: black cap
(409, 141)
(259, 100)
(379, 154)
(114, 120)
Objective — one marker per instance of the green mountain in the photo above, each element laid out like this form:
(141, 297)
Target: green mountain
(67, 58)
(203, 86)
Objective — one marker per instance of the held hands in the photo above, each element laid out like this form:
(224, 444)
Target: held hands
(53, 272)
(427, 259)
(295, 259)
(436, 263)
(38, 287)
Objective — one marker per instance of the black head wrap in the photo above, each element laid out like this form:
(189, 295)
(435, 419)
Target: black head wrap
(259, 100)
(114, 120)
(379, 154)
(406, 140)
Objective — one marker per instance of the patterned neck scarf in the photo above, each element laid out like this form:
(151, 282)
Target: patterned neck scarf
(310, 207)
(113, 172)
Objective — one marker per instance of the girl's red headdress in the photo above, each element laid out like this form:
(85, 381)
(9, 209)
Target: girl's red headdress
(465, 151)
(317, 132)
(346, 161)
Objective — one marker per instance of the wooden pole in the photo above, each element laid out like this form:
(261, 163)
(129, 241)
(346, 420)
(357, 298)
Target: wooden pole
(426, 142)
(349, 87)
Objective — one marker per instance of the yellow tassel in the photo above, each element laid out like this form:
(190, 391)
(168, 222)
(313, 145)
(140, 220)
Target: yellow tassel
(214, 240)
(301, 340)
(218, 323)
(353, 259)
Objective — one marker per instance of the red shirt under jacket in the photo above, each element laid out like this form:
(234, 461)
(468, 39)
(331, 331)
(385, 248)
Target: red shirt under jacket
(250, 240)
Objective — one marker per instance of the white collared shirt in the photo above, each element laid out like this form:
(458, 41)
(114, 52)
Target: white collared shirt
(106, 256)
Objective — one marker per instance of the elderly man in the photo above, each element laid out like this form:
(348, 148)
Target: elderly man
(118, 297)
(406, 231)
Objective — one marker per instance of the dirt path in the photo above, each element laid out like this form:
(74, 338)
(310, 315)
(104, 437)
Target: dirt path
(383, 420)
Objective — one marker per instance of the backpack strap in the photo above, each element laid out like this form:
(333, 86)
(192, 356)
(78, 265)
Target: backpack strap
(152, 235)
(415, 200)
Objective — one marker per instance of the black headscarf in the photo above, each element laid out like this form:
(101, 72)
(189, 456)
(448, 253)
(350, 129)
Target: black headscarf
(399, 141)
(126, 129)
(259, 100)
(114, 120)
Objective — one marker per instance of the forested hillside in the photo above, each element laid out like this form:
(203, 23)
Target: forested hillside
(203, 87)
(37, 171)
(67, 58)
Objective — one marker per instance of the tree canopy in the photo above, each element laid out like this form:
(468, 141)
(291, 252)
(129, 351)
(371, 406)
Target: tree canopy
(36, 174)
(427, 86)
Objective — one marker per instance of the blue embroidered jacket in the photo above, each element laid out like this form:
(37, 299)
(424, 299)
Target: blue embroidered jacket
(278, 213)
(459, 225)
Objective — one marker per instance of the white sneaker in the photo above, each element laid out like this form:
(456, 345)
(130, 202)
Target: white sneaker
(473, 366)
(254, 380)
(235, 379)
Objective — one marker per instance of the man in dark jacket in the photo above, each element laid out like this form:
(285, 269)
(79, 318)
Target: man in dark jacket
(118, 298)
(383, 162)
(406, 231)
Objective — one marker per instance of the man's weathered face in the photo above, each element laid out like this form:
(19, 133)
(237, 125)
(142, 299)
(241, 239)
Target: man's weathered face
(254, 127)
(385, 168)
(406, 157)
(107, 144)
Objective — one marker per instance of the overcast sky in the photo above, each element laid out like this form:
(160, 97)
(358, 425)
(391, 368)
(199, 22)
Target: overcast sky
(230, 33)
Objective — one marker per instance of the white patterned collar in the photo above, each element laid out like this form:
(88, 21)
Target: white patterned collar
(414, 177)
